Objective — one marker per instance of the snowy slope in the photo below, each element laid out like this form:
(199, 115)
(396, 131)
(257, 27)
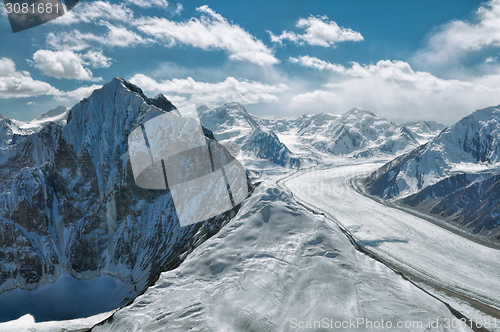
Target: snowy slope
(8, 129)
(57, 115)
(311, 124)
(231, 123)
(278, 125)
(271, 267)
(446, 262)
(424, 131)
(13, 131)
(463, 157)
(73, 219)
(472, 146)
(357, 133)
(311, 137)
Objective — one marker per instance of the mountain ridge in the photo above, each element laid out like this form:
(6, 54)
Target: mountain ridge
(452, 176)
(74, 214)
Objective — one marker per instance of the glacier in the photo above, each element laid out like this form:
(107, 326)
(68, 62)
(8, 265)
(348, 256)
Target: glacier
(309, 243)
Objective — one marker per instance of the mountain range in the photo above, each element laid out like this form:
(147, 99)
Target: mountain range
(72, 217)
(357, 133)
(74, 224)
(232, 124)
(454, 176)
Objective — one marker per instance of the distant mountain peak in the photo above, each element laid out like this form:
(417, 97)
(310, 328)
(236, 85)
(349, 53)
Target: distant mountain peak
(124, 83)
(359, 112)
(162, 102)
(453, 176)
(424, 130)
(231, 123)
(54, 112)
(230, 115)
(469, 146)
(202, 108)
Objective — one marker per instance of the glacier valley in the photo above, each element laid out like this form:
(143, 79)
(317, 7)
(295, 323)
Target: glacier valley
(325, 236)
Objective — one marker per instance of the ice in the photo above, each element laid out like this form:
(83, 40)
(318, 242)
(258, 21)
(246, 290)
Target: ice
(273, 263)
(426, 251)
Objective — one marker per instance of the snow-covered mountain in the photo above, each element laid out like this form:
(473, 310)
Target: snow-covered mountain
(317, 123)
(8, 131)
(231, 123)
(263, 143)
(275, 267)
(357, 133)
(278, 125)
(424, 131)
(311, 137)
(453, 175)
(74, 225)
(57, 115)
(13, 131)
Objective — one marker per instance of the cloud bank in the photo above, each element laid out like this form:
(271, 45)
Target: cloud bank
(319, 31)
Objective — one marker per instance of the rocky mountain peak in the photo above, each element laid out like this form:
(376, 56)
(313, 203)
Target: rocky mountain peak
(358, 112)
(72, 208)
(53, 112)
(228, 120)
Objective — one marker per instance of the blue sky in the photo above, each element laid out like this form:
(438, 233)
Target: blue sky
(405, 60)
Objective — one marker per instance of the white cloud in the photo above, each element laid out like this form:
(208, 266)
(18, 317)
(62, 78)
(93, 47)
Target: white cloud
(395, 71)
(230, 89)
(20, 84)
(70, 65)
(319, 31)
(321, 97)
(457, 40)
(121, 37)
(76, 95)
(178, 9)
(312, 62)
(16, 84)
(490, 59)
(393, 89)
(95, 11)
(96, 59)
(162, 4)
(71, 41)
(149, 3)
(211, 31)
(7, 66)
(78, 41)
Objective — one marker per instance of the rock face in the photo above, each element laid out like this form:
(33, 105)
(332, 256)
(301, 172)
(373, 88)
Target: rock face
(454, 176)
(7, 131)
(357, 133)
(231, 123)
(70, 206)
(264, 144)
